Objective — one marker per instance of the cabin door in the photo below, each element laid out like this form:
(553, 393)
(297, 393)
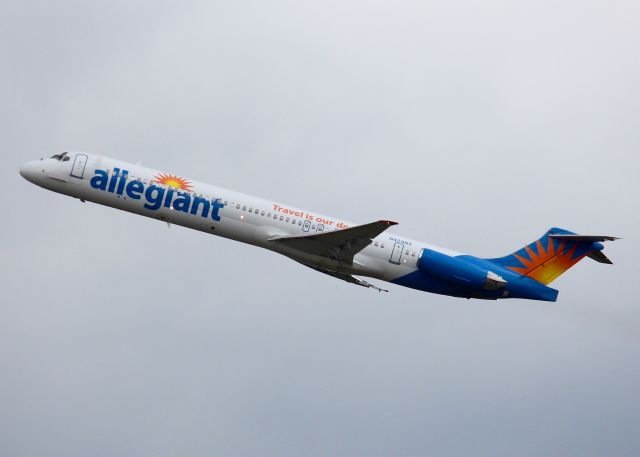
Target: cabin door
(396, 254)
(80, 162)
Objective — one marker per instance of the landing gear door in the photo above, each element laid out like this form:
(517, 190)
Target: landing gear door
(79, 164)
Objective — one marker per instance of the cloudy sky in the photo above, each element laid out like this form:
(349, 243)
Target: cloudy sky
(475, 124)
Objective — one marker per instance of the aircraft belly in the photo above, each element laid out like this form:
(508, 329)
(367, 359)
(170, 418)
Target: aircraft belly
(390, 271)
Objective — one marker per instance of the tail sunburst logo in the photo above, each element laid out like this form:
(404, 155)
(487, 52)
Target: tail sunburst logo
(545, 265)
(172, 181)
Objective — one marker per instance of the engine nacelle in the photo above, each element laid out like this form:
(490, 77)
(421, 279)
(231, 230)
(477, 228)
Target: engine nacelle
(459, 271)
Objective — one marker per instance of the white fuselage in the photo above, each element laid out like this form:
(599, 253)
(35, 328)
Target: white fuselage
(219, 211)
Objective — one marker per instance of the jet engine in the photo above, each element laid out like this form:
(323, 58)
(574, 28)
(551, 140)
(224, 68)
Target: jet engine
(458, 271)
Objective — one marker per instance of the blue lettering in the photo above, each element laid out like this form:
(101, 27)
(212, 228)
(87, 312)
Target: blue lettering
(154, 196)
(134, 189)
(123, 181)
(205, 206)
(99, 181)
(217, 206)
(114, 179)
(167, 201)
(182, 203)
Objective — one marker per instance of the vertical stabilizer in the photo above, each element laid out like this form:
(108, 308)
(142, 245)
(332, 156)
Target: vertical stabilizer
(554, 253)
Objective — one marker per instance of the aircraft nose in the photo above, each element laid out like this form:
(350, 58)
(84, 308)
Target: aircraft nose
(29, 170)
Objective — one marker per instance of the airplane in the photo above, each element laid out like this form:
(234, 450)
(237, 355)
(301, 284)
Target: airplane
(329, 245)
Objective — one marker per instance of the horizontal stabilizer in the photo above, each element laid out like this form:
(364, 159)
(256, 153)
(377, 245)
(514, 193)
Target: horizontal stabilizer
(584, 238)
(599, 256)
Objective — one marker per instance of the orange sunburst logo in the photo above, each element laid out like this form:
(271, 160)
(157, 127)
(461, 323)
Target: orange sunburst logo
(172, 181)
(547, 264)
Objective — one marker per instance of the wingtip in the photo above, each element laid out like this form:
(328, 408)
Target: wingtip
(389, 223)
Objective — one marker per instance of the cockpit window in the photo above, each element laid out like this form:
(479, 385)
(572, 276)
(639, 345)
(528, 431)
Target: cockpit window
(61, 157)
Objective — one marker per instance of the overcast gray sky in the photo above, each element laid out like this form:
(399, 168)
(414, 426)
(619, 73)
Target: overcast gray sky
(476, 125)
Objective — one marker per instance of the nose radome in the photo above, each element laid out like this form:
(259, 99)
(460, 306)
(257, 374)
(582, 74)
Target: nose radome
(28, 170)
(23, 170)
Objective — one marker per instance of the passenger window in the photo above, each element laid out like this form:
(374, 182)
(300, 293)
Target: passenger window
(275, 216)
(244, 208)
(238, 206)
(251, 210)
(281, 218)
(320, 227)
(313, 227)
(262, 213)
(258, 211)
(299, 222)
(375, 244)
(294, 221)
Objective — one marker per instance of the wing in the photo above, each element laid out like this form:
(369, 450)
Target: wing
(596, 255)
(349, 278)
(339, 245)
